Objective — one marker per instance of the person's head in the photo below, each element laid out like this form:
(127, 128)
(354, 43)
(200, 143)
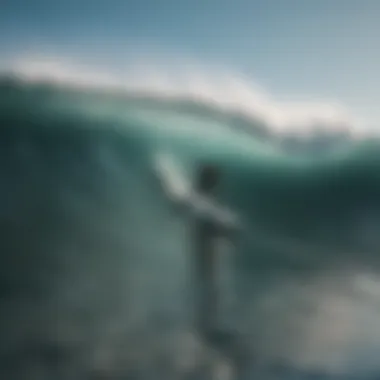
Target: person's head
(208, 177)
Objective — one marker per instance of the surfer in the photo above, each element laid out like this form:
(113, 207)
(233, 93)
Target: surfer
(211, 223)
(207, 231)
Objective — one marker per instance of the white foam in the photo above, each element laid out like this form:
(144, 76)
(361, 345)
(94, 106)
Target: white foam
(212, 85)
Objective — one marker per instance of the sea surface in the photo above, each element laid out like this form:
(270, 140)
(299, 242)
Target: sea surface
(96, 272)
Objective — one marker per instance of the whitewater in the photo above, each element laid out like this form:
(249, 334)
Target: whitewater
(95, 271)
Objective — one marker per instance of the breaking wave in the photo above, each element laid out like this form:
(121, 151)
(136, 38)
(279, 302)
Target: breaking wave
(94, 256)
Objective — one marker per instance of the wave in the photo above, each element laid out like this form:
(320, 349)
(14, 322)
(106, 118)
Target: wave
(104, 256)
(185, 114)
(211, 89)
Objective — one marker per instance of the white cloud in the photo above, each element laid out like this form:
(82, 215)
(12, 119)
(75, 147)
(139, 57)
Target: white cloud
(210, 84)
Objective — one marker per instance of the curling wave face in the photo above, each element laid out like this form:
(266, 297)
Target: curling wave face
(93, 254)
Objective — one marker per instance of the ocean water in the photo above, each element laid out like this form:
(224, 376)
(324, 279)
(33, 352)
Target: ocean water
(95, 265)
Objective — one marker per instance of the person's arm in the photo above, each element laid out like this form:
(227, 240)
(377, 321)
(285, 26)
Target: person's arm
(184, 199)
(173, 185)
(226, 224)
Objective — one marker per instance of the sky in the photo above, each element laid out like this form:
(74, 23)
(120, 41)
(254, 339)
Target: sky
(321, 49)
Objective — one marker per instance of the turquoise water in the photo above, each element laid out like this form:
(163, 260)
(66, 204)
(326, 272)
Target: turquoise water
(94, 257)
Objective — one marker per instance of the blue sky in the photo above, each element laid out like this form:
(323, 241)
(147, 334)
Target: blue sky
(328, 49)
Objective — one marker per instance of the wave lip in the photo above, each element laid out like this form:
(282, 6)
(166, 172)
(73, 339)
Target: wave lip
(200, 116)
(213, 87)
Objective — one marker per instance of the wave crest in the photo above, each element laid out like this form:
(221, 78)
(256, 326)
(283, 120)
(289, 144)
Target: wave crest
(212, 88)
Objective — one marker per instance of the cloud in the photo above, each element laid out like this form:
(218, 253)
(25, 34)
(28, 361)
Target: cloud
(213, 85)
